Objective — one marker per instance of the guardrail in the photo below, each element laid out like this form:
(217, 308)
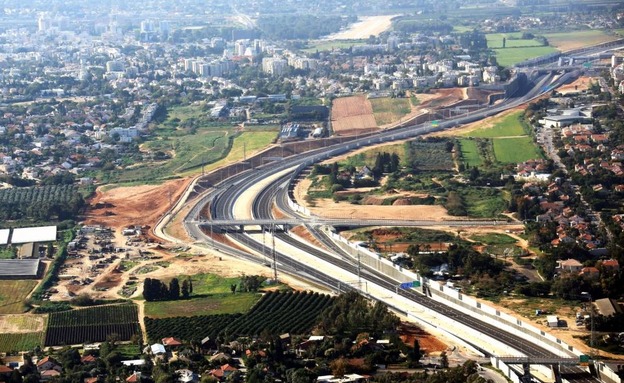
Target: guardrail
(458, 300)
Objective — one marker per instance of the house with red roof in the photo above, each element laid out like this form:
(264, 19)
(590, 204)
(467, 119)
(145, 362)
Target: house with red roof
(5, 372)
(590, 272)
(171, 342)
(49, 375)
(134, 378)
(88, 359)
(611, 264)
(223, 372)
(48, 363)
(570, 265)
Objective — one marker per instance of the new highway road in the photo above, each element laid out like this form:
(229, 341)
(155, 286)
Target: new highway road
(223, 198)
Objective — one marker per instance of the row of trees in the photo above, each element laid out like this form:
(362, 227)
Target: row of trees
(157, 290)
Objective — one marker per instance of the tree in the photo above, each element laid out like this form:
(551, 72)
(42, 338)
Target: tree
(417, 354)
(185, 289)
(174, 289)
(444, 363)
(339, 367)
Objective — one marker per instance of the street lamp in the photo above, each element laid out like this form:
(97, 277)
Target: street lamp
(591, 325)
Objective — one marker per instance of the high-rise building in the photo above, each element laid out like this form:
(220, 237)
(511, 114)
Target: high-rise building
(274, 65)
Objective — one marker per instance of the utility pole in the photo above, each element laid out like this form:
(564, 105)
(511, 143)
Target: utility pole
(359, 269)
(274, 256)
(591, 322)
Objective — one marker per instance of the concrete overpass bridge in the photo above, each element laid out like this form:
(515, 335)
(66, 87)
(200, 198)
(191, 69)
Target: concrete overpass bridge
(265, 224)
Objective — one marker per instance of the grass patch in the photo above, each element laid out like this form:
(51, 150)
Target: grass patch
(7, 253)
(430, 156)
(513, 40)
(245, 145)
(484, 203)
(494, 239)
(184, 113)
(526, 306)
(128, 351)
(515, 150)
(146, 269)
(190, 151)
(13, 294)
(389, 110)
(470, 153)
(21, 342)
(127, 265)
(23, 323)
(509, 125)
(565, 41)
(211, 284)
(368, 157)
(512, 56)
(226, 303)
(414, 100)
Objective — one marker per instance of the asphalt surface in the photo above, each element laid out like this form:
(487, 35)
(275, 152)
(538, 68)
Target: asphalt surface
(222, 200)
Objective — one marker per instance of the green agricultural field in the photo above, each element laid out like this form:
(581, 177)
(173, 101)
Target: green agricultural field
(13, 294)
(510, 56)
(494, 239)
(389, 110)
(470, 152)
(462, 28)
(565, 41)
(224, 303)
(513, 40)
(508, 126)
(21, 341)
(515, 150)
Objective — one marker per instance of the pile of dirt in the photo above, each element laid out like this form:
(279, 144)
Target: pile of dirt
(373, 200)
(402, 202)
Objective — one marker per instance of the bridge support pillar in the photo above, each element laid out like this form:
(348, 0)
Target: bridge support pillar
(526, 377)
(556, 373)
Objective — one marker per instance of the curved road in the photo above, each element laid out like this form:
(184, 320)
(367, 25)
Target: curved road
(222, 200)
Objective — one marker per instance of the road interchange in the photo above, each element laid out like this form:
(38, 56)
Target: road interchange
(222, 199)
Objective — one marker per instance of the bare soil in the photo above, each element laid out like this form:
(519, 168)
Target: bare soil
(330, 209)
(581, 84)
(364, 28)
(352, 114)
(409, 332)
(134, 205)
(21, 323)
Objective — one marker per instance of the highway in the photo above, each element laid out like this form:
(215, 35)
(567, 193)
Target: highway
(222, 199)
